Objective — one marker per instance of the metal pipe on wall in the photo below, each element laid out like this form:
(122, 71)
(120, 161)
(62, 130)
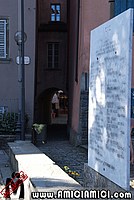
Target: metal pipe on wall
(23, 75)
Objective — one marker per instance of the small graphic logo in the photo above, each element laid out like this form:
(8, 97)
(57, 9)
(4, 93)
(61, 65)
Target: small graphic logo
(12, 184)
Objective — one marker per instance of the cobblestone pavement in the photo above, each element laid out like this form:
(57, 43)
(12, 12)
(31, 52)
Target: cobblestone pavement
(65, 154)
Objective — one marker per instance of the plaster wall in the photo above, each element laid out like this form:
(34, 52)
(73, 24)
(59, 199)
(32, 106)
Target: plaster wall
(9, 69)
(91, 16)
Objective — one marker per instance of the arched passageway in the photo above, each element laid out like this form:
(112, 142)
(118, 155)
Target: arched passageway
(52, 109)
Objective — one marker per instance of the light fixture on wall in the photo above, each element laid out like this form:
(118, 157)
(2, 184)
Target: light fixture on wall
(18, 37)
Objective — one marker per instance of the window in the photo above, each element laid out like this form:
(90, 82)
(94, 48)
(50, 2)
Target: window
(3, 38)
(53, 55)
(55, 12)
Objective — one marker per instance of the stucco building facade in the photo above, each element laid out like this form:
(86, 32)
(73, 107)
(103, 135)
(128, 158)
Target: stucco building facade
(9, 73)
(58, 45)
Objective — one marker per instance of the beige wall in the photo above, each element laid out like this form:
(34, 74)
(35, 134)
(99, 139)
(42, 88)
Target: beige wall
(30, 29)
(9, 69)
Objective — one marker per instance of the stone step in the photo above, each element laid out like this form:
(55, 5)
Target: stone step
(11, 138)
(43, 174)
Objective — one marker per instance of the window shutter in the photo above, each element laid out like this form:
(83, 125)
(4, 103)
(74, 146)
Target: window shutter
(3, 24)
(117, 7)
(130, 4)
(120, 6)
(123, 5)
(53, 55)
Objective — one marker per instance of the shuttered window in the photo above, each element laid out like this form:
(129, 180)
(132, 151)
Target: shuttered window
(3, 38)
(53, 55)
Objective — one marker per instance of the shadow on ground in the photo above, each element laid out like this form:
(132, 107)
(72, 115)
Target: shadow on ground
(57, 132)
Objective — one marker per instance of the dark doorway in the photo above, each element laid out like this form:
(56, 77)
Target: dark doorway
(57, 132)
(53, 115)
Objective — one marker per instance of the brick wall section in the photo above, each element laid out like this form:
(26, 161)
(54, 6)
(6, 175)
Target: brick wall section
(84, 117)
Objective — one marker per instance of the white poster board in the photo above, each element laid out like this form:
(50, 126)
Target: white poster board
(109, 98)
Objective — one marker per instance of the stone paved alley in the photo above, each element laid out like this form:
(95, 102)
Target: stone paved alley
(60, 151)
(65, 154)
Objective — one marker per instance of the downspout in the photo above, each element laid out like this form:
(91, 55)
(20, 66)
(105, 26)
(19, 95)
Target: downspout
(77, 48)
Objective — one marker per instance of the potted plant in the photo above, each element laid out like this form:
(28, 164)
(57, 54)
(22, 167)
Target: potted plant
(41, 132)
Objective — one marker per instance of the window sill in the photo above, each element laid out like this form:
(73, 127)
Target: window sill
(5, 60)
(52, 69)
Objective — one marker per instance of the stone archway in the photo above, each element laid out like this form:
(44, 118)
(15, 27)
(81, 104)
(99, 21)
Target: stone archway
(43, 113)
(43, 106)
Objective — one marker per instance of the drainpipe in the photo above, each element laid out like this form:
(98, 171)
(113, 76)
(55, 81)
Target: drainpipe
(21, 68)
(77, 50)
(23, 73)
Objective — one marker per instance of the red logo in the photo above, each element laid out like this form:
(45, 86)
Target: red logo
(12, 184)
